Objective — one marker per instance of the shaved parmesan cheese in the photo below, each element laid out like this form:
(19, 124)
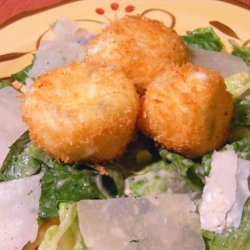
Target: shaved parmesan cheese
(11, 121)
(242, 194)
(19, 202)
(224, 63)
(225, 192)
(53, 54)
(219, 192)
(65, 44)
(164, 222)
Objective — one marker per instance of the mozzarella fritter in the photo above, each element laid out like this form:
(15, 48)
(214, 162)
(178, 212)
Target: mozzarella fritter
(81, 112)
(187, 110)
(139, 46)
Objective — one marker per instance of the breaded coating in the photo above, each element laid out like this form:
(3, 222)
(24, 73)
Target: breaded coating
(81, 112)
(141, 47)
(187, 110)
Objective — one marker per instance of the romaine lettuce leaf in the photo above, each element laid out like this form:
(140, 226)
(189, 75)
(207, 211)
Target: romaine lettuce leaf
(241, 51)
(5, 83)
(159, 177)
(19, 76)
(242, 112)
(60, 182)
(187, 168)
(64, 183)
(242, 148)
(241, 120)
(22, 74)
(67, 234)
(238, 84)
(20, 161)
(204, 38)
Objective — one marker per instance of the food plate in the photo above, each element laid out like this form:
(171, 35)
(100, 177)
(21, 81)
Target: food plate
(22, 38)
(22, 35)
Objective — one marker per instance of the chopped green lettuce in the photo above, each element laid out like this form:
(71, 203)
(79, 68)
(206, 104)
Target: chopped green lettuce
(159, 177)
(60, 182)
(23, 164)
(206, 163)
(67, 234)
(242, 112)
(238, 84)
(231, 239)
(238, 132)
(241, 51)
(19, 76)
(64, 183)
(22, 74)
(241, 120)
(241, 147)
(187, 168)
(204, 38)
(20, 161)
(16, 148)
(5, 83)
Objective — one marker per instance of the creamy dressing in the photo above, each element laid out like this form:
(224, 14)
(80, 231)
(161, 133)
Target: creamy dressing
(156, 182)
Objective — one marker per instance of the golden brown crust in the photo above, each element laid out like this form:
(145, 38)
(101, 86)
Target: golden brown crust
(187, 110)
(141, 47)
(81, 112)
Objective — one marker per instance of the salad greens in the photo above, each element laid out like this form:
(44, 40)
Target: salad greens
(60, 182)
(242, 148)
(204, 38)
(19, 76)
(20, 161)
(187, 168)
(242, 112)
(22, 74)
(233, 239)
(63, 183)
(5, 83)
(67, 234)
(159, 177)
(241, 51)
(139, 184)
(239, 86)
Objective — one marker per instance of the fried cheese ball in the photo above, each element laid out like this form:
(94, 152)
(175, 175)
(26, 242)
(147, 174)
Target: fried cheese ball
(141, 47)
(81, 112)
(188, 110)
